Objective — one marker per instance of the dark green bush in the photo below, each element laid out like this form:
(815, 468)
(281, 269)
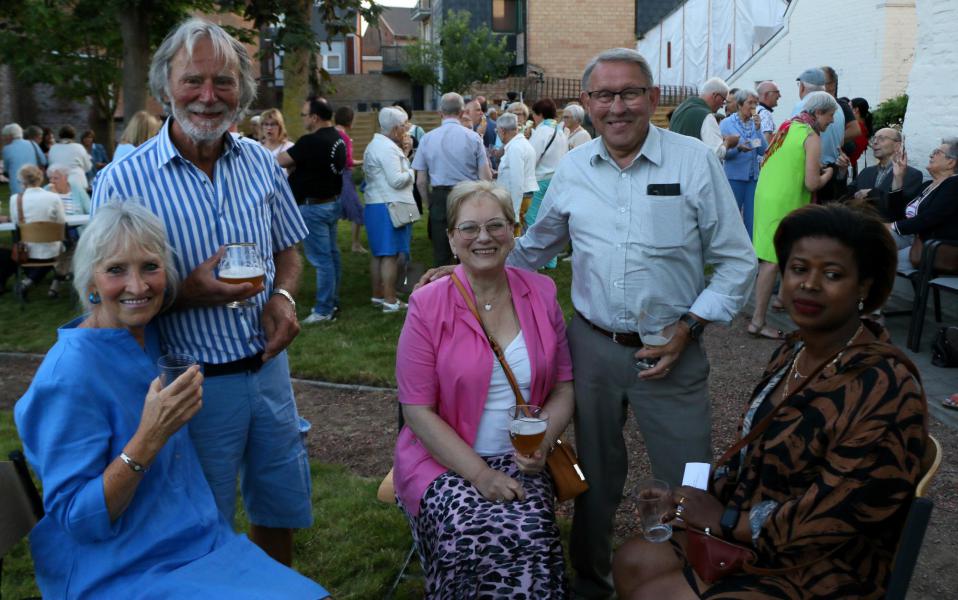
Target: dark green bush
(890, 113)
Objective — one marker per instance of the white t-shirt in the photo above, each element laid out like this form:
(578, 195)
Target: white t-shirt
(492, 439)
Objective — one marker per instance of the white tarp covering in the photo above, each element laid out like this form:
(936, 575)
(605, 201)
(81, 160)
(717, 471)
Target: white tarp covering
(708, 38)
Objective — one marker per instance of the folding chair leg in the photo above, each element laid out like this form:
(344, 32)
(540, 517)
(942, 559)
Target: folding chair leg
(917, 321)
(402, 572)
(936, 295)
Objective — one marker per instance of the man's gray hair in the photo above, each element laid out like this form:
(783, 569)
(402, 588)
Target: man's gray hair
(575, 111)
(617, 55)
(811, 87)
(225, 47)
(508, 122)
(715, 85)
(819, 102)
(389, 118)
(952, 144)
(13, 130)
(742, 95)
(451, 104)
(115, 228)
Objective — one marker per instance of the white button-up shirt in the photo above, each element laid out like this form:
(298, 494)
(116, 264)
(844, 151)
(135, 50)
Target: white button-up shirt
(548, 155)
(630, 245)
(517, 170)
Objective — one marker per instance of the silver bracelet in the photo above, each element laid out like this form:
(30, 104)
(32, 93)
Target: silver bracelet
(137, 467)
(284, 294)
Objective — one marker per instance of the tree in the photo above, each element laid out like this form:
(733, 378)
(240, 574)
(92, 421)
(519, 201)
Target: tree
(462, 57)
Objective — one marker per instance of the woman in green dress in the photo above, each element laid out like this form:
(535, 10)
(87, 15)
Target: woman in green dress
(791, 173)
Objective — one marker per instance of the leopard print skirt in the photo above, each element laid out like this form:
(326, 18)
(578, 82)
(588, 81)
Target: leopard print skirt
(473, 548)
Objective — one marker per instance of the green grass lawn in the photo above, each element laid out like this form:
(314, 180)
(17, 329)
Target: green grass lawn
(356, 544)
(360, 347)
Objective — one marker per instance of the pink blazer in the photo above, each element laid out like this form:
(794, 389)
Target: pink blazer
(444, 360)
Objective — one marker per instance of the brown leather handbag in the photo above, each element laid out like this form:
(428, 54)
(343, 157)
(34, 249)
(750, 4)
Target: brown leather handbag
(567, 477)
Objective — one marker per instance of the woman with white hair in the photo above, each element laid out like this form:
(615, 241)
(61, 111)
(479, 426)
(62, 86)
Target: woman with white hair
(128, 510)
(75, 202)
(35, 204)
(790, 175)
(389, 179)
(743, 160)
(572, 117)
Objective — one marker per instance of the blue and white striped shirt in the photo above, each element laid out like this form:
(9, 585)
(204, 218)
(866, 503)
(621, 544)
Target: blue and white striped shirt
(248, 200)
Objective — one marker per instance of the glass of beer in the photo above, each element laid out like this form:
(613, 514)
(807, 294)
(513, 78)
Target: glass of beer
(527, 429)
(242, 264)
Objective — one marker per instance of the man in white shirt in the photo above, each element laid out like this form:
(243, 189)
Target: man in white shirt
(646, 210)
(517, 169)
(695, 117)
(768, 95)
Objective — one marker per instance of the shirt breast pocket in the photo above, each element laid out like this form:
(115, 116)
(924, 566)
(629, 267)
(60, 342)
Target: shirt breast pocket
(663, 221)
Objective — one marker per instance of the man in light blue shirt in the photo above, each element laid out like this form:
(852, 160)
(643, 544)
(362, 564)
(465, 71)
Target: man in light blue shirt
(210, 189)
(18, 152)
(646, 210)
(447, 155)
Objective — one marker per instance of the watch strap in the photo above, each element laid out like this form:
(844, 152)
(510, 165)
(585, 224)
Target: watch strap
(696, 327)
(728, 522)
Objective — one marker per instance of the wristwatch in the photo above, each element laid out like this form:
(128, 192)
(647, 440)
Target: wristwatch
(284, 294)
(696, 327)
(728, 522)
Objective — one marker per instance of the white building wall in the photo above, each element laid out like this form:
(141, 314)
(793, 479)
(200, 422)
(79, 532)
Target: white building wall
(933, 82)
(868, 43)
(708, 38)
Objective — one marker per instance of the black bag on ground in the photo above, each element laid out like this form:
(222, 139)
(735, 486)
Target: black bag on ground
(944, 350)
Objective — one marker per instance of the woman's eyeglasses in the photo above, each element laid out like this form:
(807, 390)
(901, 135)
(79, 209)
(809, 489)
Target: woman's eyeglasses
(494, 227)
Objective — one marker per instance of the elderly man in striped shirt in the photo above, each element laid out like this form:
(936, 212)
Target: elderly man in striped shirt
(210, 189)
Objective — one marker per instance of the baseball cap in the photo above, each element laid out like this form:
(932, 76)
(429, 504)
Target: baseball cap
(813, 76)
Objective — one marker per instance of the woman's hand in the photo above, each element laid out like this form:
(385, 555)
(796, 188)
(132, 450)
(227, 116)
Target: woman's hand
(167, 409)
(698, 508)
(533, 465)
(496, 486)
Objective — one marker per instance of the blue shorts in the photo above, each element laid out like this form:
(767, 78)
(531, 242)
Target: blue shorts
(249, 426)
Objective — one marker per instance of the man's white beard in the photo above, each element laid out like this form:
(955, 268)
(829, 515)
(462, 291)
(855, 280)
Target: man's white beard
(204, 134)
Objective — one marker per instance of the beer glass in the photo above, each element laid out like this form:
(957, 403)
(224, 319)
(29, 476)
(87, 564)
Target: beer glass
(527, 430)
(657, 319)
(242, 264)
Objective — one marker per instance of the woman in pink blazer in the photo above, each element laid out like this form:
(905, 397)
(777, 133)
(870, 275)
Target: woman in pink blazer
(480, 528)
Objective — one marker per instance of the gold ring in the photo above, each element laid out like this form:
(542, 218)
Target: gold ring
(682, 500)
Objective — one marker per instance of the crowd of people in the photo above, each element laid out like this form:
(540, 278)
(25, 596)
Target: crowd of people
(140, 476)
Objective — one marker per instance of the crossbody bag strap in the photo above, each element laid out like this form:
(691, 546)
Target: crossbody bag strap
(555, 131)
(767, 420)
(495, 345)
(20, 218)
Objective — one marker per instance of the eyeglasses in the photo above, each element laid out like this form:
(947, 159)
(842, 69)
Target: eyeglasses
(304, 115)
(494, 227)
(938, 151)
(724, 98)
(629, 95)
(882, 138)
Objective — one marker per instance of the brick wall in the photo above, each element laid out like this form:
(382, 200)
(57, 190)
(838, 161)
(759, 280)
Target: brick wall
(932, 86)
(371, 87)
(563, 35)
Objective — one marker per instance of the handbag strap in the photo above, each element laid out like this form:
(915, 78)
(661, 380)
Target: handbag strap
(496, 348)
(20, 218)
(555, 131)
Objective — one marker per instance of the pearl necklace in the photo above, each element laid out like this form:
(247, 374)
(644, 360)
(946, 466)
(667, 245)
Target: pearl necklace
(794, 374)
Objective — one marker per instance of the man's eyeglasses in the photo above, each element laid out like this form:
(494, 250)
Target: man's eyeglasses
(881, 138)
(494, 227)
(938, 151)
(629, 95)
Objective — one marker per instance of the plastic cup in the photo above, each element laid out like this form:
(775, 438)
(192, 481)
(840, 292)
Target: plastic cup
(171, 366)
(653, 498)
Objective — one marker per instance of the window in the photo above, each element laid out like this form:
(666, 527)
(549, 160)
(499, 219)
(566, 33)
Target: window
(334, 57)
(505, 16)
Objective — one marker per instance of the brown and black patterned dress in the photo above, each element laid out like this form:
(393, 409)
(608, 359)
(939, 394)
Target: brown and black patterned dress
(829, 482)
